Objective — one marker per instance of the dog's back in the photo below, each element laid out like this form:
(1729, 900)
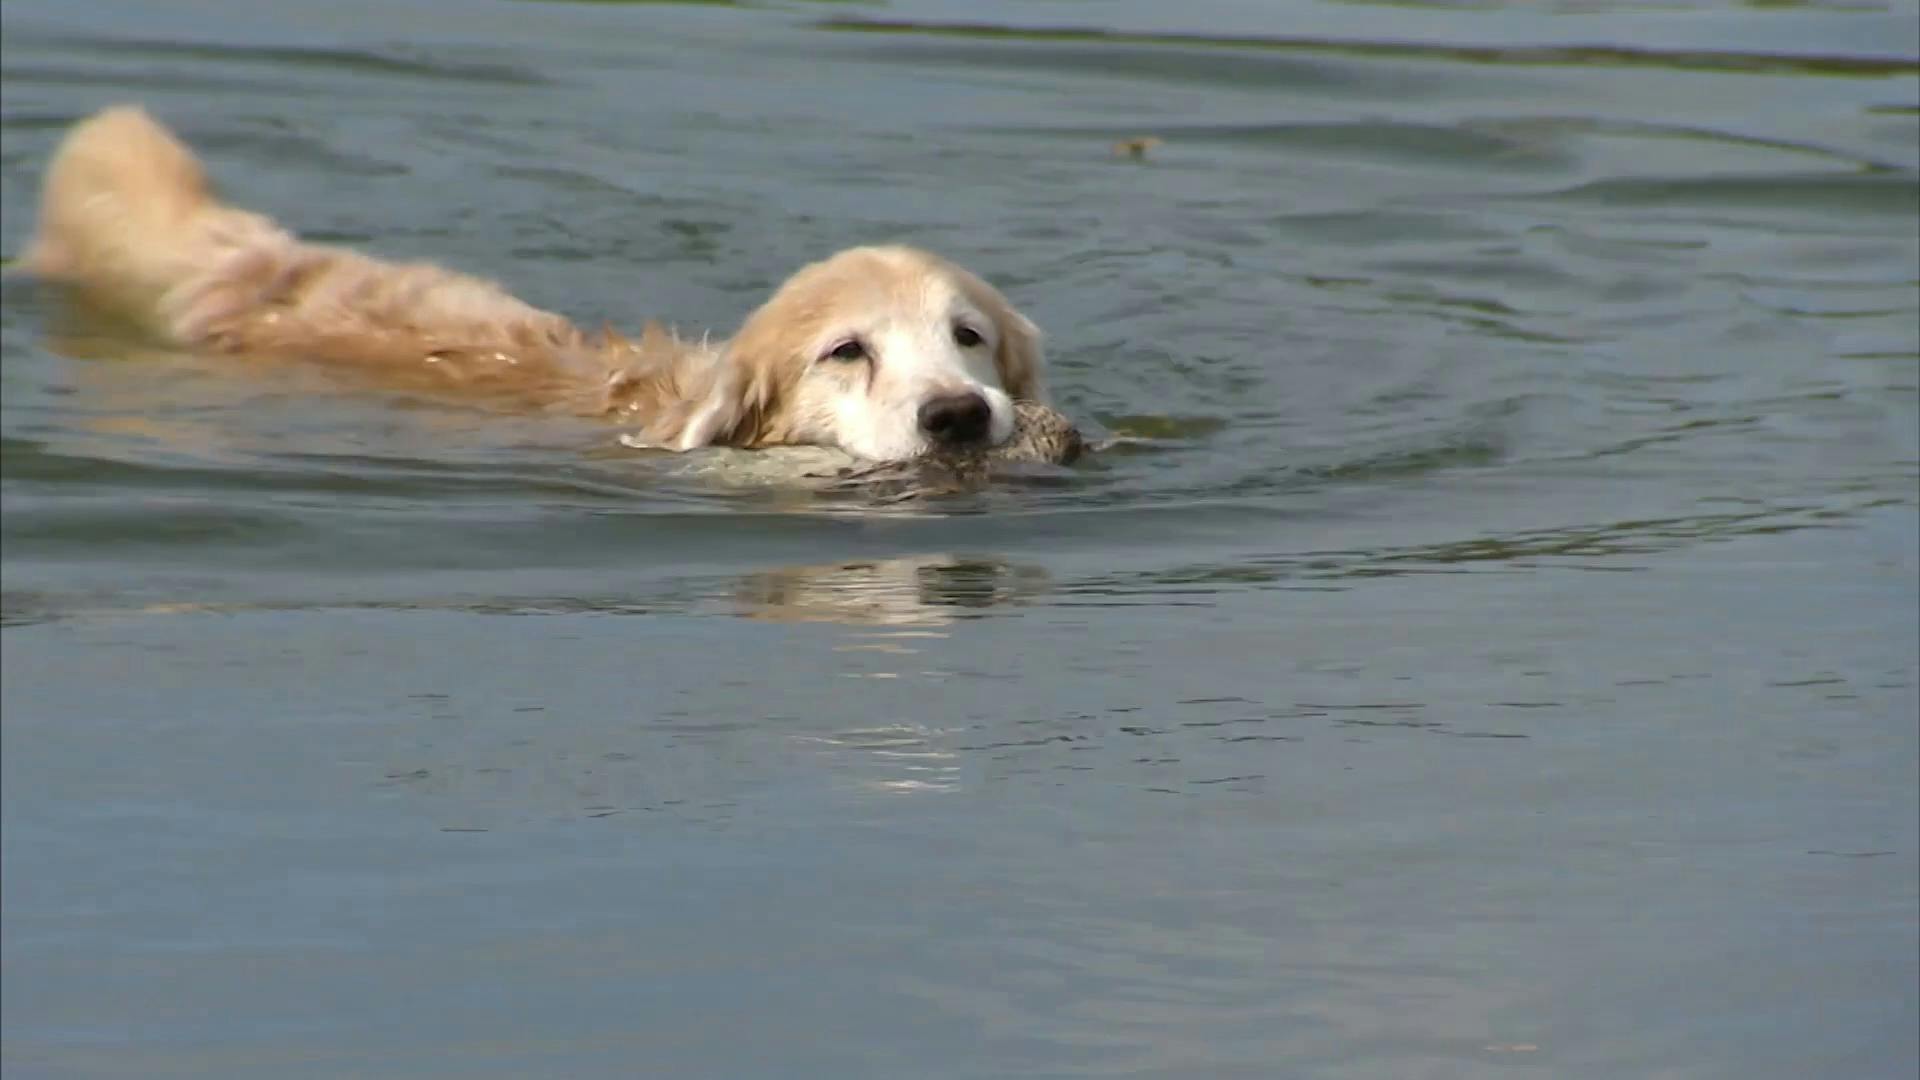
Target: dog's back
(130, 223)
(126, 217)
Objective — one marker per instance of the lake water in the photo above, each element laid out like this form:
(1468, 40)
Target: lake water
(1495, 656)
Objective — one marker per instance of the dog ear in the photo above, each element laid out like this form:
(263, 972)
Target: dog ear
(1020, 360)
(726, 405)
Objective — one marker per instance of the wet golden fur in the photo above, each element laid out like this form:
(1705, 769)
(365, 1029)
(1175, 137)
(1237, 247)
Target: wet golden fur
(129, 220)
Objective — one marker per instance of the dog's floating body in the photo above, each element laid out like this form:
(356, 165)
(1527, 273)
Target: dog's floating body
(880, 352)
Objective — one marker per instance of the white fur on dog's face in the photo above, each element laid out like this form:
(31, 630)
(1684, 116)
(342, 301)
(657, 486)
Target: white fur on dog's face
(847, 352)
(876, 364)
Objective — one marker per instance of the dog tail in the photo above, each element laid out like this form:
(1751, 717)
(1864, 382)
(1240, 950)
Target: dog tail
(127, 215)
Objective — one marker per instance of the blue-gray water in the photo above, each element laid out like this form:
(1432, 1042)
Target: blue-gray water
(1498, 661)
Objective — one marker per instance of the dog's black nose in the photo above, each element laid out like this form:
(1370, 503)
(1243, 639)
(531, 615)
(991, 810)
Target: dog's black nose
(956, 419)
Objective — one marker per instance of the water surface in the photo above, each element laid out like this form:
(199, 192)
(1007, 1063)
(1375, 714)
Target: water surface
(1494, 654)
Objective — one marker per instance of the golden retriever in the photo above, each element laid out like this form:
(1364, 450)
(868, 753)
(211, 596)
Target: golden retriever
(883, 352)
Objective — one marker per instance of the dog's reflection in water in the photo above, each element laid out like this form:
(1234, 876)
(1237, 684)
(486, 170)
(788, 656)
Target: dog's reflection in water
(892, 607)
(907, 591)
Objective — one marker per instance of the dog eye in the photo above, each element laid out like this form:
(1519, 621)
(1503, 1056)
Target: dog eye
(849, 350)
(966, 337)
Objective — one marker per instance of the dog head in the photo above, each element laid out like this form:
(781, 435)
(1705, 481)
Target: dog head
(883, 352)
